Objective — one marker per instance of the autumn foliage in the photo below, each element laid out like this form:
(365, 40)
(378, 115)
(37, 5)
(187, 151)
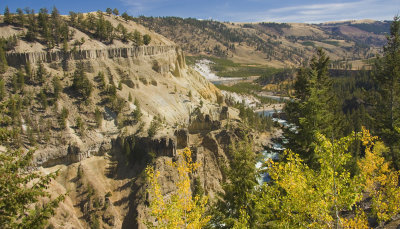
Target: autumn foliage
(181, 210)
(317, 198)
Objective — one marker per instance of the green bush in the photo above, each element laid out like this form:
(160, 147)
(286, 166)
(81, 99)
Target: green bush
(155, 125)
(146, 39)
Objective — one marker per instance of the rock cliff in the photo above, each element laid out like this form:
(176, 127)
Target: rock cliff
(17, 58)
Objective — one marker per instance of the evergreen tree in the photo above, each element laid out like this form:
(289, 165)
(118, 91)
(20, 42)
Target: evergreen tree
(7, 16)
(109, 11)
(116, 12)
(104, 28)
(56, 25)
(98, 117)
(43, 99)
(80, 125)
(43, 20)
(130, 97)
(3, 60)
(20, 191)
(155, 125)
(63, 117)
(73, 18)
(20, 80)
(28, 72)
(137, 38)
(31, 34)
(314, 108)
(240, 187)
(137, 113)
(125, 16)
(20, 17)
(40, 73)
(81, 83)
(2, 90)
(146, 39)
(125, 36)
(57, 87)
(387, 78)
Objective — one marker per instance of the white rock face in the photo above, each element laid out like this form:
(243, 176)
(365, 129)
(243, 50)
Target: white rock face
(248, 100)
(203, 67)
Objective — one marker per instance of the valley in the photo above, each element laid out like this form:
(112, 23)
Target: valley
(112, 121)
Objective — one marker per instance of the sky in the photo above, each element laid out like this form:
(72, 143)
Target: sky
(308, 11)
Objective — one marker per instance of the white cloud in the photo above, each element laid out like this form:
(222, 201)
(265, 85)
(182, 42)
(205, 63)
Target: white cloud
(138, 6)
(314, 13)
(310, 13)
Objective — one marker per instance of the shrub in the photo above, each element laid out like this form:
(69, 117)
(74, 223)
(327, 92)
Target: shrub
(98, 116)
(63, 117)
(146, 39)
(155, 125)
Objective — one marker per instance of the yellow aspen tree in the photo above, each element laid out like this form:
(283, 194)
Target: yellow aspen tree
(380, 181)
(181, 210)
(301, 197)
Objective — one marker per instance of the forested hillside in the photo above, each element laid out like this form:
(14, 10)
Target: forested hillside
(275, 43)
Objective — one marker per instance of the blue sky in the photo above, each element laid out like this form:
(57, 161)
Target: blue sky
(311, 11)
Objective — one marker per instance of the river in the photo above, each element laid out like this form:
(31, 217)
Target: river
(203, 67)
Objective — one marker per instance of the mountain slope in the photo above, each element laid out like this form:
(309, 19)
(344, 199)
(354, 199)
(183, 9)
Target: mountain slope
(277, 44)
(83, 106)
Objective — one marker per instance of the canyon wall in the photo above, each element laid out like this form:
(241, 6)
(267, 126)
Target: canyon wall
(16, 59)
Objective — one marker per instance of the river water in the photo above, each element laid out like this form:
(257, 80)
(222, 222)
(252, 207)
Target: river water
(203, 67)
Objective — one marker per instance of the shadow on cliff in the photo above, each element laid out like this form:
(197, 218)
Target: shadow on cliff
(128, 165)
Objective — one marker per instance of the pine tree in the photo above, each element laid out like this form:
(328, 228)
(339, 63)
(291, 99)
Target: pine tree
(130, 97)
(116, 12)
(125, 36)
(387, 77)
(43, 20)
(31, 34)
(314, 108)
(137, 37)
(81, 83)
(7, 16)
(20, 191)
(28, 72)
(101, 80)
(20, 17)
(57, 87)
(2, 90)
(20, 80)
(109, 11)
(73, 18)
(146, 39)
(40, 73)
(137, 113)
(80, 126)
(125, 16)
(56, 21)
(63, 117)
(43, 99)
(98, 117)
(3, 60)
(238, 190)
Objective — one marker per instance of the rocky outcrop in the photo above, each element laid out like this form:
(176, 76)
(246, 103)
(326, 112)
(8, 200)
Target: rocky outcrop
(139, 148)
(203, 124)
(73, 153)
(17, 59)
(224, 113)
(182, 138)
